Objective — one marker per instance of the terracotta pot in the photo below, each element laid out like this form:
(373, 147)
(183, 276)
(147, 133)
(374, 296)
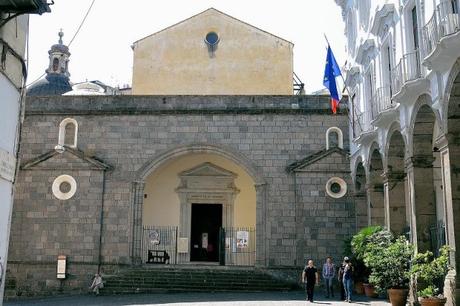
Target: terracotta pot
(433, 301)
(359, 288)
(370, 291)
(398, 297)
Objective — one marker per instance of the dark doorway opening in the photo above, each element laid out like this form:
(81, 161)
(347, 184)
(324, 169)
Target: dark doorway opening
(206, 222)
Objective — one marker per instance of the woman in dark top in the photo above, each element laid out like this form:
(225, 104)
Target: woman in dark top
(310, 277)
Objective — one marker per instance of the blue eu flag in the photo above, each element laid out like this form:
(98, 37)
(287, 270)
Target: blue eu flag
(332, 71)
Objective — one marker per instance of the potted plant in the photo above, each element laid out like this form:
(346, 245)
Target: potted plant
(359, 244)
(430, 273)
(389, 260)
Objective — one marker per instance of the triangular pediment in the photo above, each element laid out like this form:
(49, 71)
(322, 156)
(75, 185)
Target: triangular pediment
(207, 169)
(70, 158)
(207, 15)
(321, 161)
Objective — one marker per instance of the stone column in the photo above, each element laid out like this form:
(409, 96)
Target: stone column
(395, 201)
(449, 212)
(262, 226)
(368, 203)
(386, 199)
(410, 198)
(185, 225)
(137, 202)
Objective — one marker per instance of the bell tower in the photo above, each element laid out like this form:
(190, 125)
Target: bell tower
(59, 58)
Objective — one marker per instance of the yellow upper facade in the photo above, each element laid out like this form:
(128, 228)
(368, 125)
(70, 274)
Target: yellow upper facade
(182, 59)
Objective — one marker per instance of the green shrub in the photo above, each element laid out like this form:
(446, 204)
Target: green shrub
(361, 239)
(430, 272)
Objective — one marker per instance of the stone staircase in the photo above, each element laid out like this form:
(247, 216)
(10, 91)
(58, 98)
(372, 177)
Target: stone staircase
(149, 279)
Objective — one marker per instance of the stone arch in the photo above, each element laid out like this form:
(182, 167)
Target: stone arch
(425, 164)
(339, 133)
(228, 153)
(176, 153)
(451, 82)
(396, 183)
(423, 101)
(68, 132)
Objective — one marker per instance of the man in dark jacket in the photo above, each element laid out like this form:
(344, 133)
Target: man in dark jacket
(310, 277)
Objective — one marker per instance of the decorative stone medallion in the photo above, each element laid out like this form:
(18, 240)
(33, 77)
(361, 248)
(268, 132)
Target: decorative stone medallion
(336, 187)
(64, 187)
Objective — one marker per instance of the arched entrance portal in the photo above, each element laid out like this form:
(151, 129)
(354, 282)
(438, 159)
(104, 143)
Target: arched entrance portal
(205, 206)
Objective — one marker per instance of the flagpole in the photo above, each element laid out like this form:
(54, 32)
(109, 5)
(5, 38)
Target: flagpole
(349, 94)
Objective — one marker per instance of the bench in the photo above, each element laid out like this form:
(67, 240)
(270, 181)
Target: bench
(158, 257)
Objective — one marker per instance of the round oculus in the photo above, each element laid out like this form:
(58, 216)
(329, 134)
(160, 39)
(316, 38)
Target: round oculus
(212, 38)
(64, 187)
(336, 187)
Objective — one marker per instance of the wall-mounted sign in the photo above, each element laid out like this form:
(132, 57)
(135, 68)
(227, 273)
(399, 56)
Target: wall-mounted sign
(242, 238)
(7, 165)
(61, 266)
(182, 245)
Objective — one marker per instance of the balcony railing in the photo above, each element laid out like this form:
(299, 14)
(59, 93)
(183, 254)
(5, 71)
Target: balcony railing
(445, 21)
(407, 69)
(362, 123)
(382, 101)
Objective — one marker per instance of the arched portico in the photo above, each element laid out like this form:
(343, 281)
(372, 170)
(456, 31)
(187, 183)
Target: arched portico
(209, 187)
(427, 210)
(395, 182)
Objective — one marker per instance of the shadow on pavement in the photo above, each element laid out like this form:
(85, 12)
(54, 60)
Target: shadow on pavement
(260, 298)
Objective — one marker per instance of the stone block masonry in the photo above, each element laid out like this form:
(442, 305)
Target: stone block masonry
(128, 132)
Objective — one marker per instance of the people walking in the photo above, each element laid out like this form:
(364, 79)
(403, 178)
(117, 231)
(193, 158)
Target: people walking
(310, 278)
(328, 274)
(348, 279)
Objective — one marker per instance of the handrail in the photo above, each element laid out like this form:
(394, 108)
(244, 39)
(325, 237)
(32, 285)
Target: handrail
(382, 101)
(445, 21)
(408, 69)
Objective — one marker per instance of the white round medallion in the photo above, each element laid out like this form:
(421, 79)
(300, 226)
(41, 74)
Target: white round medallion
(336, 187)
(64, 187)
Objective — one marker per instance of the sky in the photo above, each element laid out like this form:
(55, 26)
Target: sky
(102, 48)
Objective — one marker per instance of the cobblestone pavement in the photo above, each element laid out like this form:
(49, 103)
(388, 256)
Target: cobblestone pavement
(194, 299)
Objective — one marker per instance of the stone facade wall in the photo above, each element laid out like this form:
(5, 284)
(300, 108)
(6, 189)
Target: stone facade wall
(128, 132)
(324, 222)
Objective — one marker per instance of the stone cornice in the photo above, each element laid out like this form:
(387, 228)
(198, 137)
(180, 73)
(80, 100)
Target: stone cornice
(145, 105)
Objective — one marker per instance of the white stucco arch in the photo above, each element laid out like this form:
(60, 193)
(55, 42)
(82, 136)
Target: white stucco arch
(62, 132)
(334, 129)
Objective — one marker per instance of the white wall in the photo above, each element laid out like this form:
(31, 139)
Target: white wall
(11, 80)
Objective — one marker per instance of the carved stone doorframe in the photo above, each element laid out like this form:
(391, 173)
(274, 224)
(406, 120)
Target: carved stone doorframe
(204, 184)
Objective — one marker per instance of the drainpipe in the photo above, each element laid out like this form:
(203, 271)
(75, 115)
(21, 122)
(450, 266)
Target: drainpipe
(101, 222)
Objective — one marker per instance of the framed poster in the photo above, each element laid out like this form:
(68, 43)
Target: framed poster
(154, 237)
(182, 245)
(242, 238)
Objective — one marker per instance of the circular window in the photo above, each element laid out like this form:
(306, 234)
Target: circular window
(64, 187)
(212, 38)
(336, 187)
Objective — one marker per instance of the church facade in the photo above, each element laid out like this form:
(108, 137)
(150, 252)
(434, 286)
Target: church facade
(108, 182)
